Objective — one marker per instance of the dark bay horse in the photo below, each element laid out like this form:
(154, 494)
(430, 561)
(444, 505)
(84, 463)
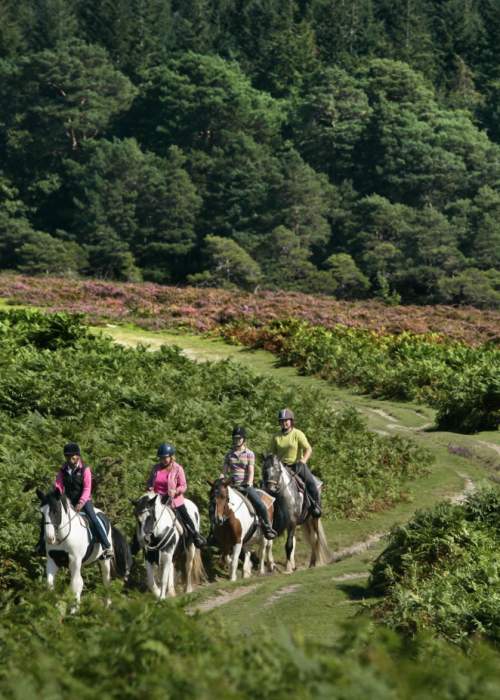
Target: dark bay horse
(289, 513)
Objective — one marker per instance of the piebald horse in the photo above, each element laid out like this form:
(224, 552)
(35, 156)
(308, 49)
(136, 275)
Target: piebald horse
(161, 536)
(289, 512)
(69, 542)
(236, 527)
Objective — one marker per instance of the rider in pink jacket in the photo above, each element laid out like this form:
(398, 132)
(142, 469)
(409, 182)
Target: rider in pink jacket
(168, 479)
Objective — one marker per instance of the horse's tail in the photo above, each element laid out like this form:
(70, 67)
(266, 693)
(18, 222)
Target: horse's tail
(315, 535)
(122, 553)
(198, 573)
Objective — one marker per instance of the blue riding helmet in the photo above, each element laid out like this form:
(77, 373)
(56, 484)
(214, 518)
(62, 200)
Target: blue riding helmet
(165, 450)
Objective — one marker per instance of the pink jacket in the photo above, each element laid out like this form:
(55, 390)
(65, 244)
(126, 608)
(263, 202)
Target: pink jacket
(163, 481)
(87, 483)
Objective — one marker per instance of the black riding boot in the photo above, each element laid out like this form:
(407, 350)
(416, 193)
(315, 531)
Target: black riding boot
(261, 510)
(198, 540)
(312, 492)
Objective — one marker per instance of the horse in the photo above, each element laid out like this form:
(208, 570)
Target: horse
(290, 511)
(160, 534)
(236, 526)
(70, 542)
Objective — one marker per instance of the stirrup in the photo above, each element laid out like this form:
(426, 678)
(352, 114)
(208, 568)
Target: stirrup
(199, 541)
(270, 533)
(315, 510)
(107, 553)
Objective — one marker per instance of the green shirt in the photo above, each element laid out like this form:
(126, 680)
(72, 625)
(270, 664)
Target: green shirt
(290, 447)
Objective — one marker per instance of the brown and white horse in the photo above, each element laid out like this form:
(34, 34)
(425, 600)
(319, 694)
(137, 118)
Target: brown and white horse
(235, 528)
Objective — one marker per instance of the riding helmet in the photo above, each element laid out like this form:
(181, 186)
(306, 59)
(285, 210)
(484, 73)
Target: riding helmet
(165, 450)
(239, 431)
(285, 414)
(71, 448)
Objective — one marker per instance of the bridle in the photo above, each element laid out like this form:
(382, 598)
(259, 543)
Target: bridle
(58, 527)
(168, 531)
(273, 486)
(226, 510)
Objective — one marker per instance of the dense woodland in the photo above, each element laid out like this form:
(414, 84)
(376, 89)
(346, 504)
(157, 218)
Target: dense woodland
(344, 147)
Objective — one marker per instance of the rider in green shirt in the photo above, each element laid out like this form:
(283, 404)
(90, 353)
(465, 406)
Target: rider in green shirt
(293, 449)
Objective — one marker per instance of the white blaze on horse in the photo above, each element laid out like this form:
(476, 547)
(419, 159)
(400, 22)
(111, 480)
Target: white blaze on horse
(164, 542)
(290, 511)
(236, 526)
(70, 542)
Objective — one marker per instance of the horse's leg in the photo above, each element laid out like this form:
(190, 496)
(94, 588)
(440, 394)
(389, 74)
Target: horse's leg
(152, 585)
(314, 541)
(166, 574)
(51, 569)
(234, 561)
(247, 564)
(262, 555)
(270, 559)
(290, 550)
(76, 582)
(190, 555)
(105, 565)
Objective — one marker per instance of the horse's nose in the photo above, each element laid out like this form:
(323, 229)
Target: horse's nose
(50, 539)
(219, 519)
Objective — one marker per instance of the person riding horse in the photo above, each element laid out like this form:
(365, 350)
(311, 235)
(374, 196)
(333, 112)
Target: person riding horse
(168, 479)
(238, 467)
(292, 448)
(75, 480)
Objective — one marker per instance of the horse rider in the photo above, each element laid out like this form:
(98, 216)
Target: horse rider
(239, 467)
(168, 479)
(75, 480)
(292, 448)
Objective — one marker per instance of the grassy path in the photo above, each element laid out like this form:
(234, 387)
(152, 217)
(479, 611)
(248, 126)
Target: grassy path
(313, 603)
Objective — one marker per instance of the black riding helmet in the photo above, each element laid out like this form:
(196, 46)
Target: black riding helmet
(239, 431)
(71, 448)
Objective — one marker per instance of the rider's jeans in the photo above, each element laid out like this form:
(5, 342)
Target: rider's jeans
(255, 500)
(97, 526)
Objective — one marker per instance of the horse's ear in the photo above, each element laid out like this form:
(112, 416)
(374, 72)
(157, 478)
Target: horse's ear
(210, 483)
(41, 495)
(57, 494)
(134, 502)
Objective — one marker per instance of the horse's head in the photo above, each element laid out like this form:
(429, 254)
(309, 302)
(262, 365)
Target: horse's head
(52, 507)
(219, 501)
(271, 474)
(145, 512)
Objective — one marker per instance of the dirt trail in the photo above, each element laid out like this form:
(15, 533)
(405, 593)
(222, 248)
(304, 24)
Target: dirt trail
(221, 599)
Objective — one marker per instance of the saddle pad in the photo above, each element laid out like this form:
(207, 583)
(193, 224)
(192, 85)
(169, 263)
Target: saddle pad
(90, 534)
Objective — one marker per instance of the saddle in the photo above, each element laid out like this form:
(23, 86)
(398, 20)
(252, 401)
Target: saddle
(91, 536)
(301, 486)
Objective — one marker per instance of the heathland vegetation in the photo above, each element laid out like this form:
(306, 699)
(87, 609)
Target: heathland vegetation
(438, 576)
(351, 148)
(444, 357)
